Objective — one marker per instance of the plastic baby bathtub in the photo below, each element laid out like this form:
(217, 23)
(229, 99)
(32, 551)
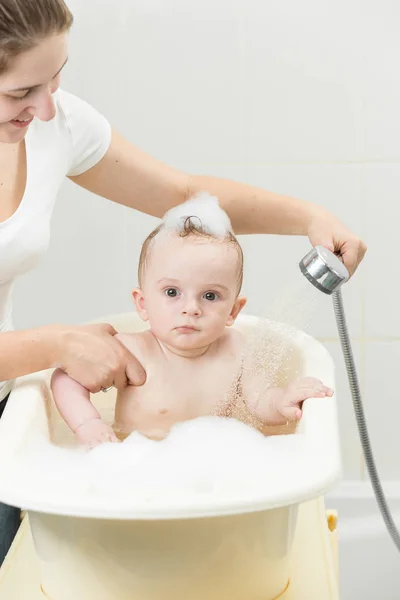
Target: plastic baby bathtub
(109, 547)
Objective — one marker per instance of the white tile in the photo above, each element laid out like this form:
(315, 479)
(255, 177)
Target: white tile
(171, 82)
(272, 276)
(273, 283)
(82, 277)
(350, 446)
(382, 283)
(379, 80)
(267, 81)
(137, 227)
(300, 64)
(382, 405)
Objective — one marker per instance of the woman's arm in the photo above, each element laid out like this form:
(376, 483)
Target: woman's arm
(28, 351)
(90, 354)
(129, 176)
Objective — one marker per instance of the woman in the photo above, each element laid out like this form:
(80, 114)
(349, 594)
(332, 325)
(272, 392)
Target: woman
(47, 134)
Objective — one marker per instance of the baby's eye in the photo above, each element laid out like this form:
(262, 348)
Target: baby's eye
(171, 292)
(211, 296)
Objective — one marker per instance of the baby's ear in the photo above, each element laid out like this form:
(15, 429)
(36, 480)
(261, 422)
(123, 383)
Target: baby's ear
(138, 298)
(237, 307)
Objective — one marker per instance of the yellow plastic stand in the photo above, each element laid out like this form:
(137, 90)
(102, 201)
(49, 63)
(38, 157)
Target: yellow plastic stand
(314, 560)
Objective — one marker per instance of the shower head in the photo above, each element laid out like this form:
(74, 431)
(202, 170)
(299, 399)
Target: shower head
(324, 269)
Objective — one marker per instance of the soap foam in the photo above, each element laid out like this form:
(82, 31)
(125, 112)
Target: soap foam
(204, 211)
(204, 457)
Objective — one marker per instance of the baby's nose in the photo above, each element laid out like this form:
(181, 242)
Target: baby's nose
(191, 308)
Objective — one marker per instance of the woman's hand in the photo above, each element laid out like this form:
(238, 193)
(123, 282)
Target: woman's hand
(92, 356)
(329, 232)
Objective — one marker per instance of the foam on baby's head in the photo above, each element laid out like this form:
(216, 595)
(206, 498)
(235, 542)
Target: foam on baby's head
(201, 217)
(203, 213)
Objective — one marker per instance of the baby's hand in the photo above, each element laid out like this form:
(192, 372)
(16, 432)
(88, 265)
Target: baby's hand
(288, 404)
(94, 432)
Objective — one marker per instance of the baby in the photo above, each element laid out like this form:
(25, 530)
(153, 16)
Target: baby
(190, 277)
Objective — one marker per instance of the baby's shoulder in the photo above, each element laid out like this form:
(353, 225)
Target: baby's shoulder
(140, 343)
(234, 338)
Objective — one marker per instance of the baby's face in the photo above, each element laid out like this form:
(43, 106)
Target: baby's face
(190, 290)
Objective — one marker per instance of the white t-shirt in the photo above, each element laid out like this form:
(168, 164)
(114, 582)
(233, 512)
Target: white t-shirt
(70, 144)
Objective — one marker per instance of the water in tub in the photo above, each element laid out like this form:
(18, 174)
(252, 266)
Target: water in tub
(208, 455)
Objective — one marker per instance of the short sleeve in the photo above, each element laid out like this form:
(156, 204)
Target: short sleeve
(90, 132)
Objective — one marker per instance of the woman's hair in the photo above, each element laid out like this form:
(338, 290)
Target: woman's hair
(25, 23)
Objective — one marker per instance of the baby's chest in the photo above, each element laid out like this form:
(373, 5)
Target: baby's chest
(192, 391)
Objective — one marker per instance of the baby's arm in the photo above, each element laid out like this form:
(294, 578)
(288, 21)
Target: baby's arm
(277, 406)
(73, 403)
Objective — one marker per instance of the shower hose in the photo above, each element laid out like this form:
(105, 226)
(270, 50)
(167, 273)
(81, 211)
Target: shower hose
(360, 418)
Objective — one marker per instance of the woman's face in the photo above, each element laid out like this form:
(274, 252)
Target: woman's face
(26, 88)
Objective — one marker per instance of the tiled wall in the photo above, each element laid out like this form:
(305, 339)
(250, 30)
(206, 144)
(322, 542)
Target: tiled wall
(298, 97)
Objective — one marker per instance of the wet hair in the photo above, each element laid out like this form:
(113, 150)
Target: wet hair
(25, 23)
(192, 227)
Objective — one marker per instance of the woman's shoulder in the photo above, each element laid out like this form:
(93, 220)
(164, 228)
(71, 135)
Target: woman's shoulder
(77, 129)
(70, 107)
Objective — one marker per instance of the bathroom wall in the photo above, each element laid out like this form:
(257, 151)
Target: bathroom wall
(301, 98)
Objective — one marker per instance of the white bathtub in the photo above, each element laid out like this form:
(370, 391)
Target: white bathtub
(104, 548)
(369, 560)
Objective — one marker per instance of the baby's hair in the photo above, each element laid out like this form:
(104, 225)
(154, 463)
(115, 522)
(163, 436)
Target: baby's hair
(191, 227)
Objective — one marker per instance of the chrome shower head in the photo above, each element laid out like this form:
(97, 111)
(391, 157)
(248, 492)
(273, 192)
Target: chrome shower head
(324, 269)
